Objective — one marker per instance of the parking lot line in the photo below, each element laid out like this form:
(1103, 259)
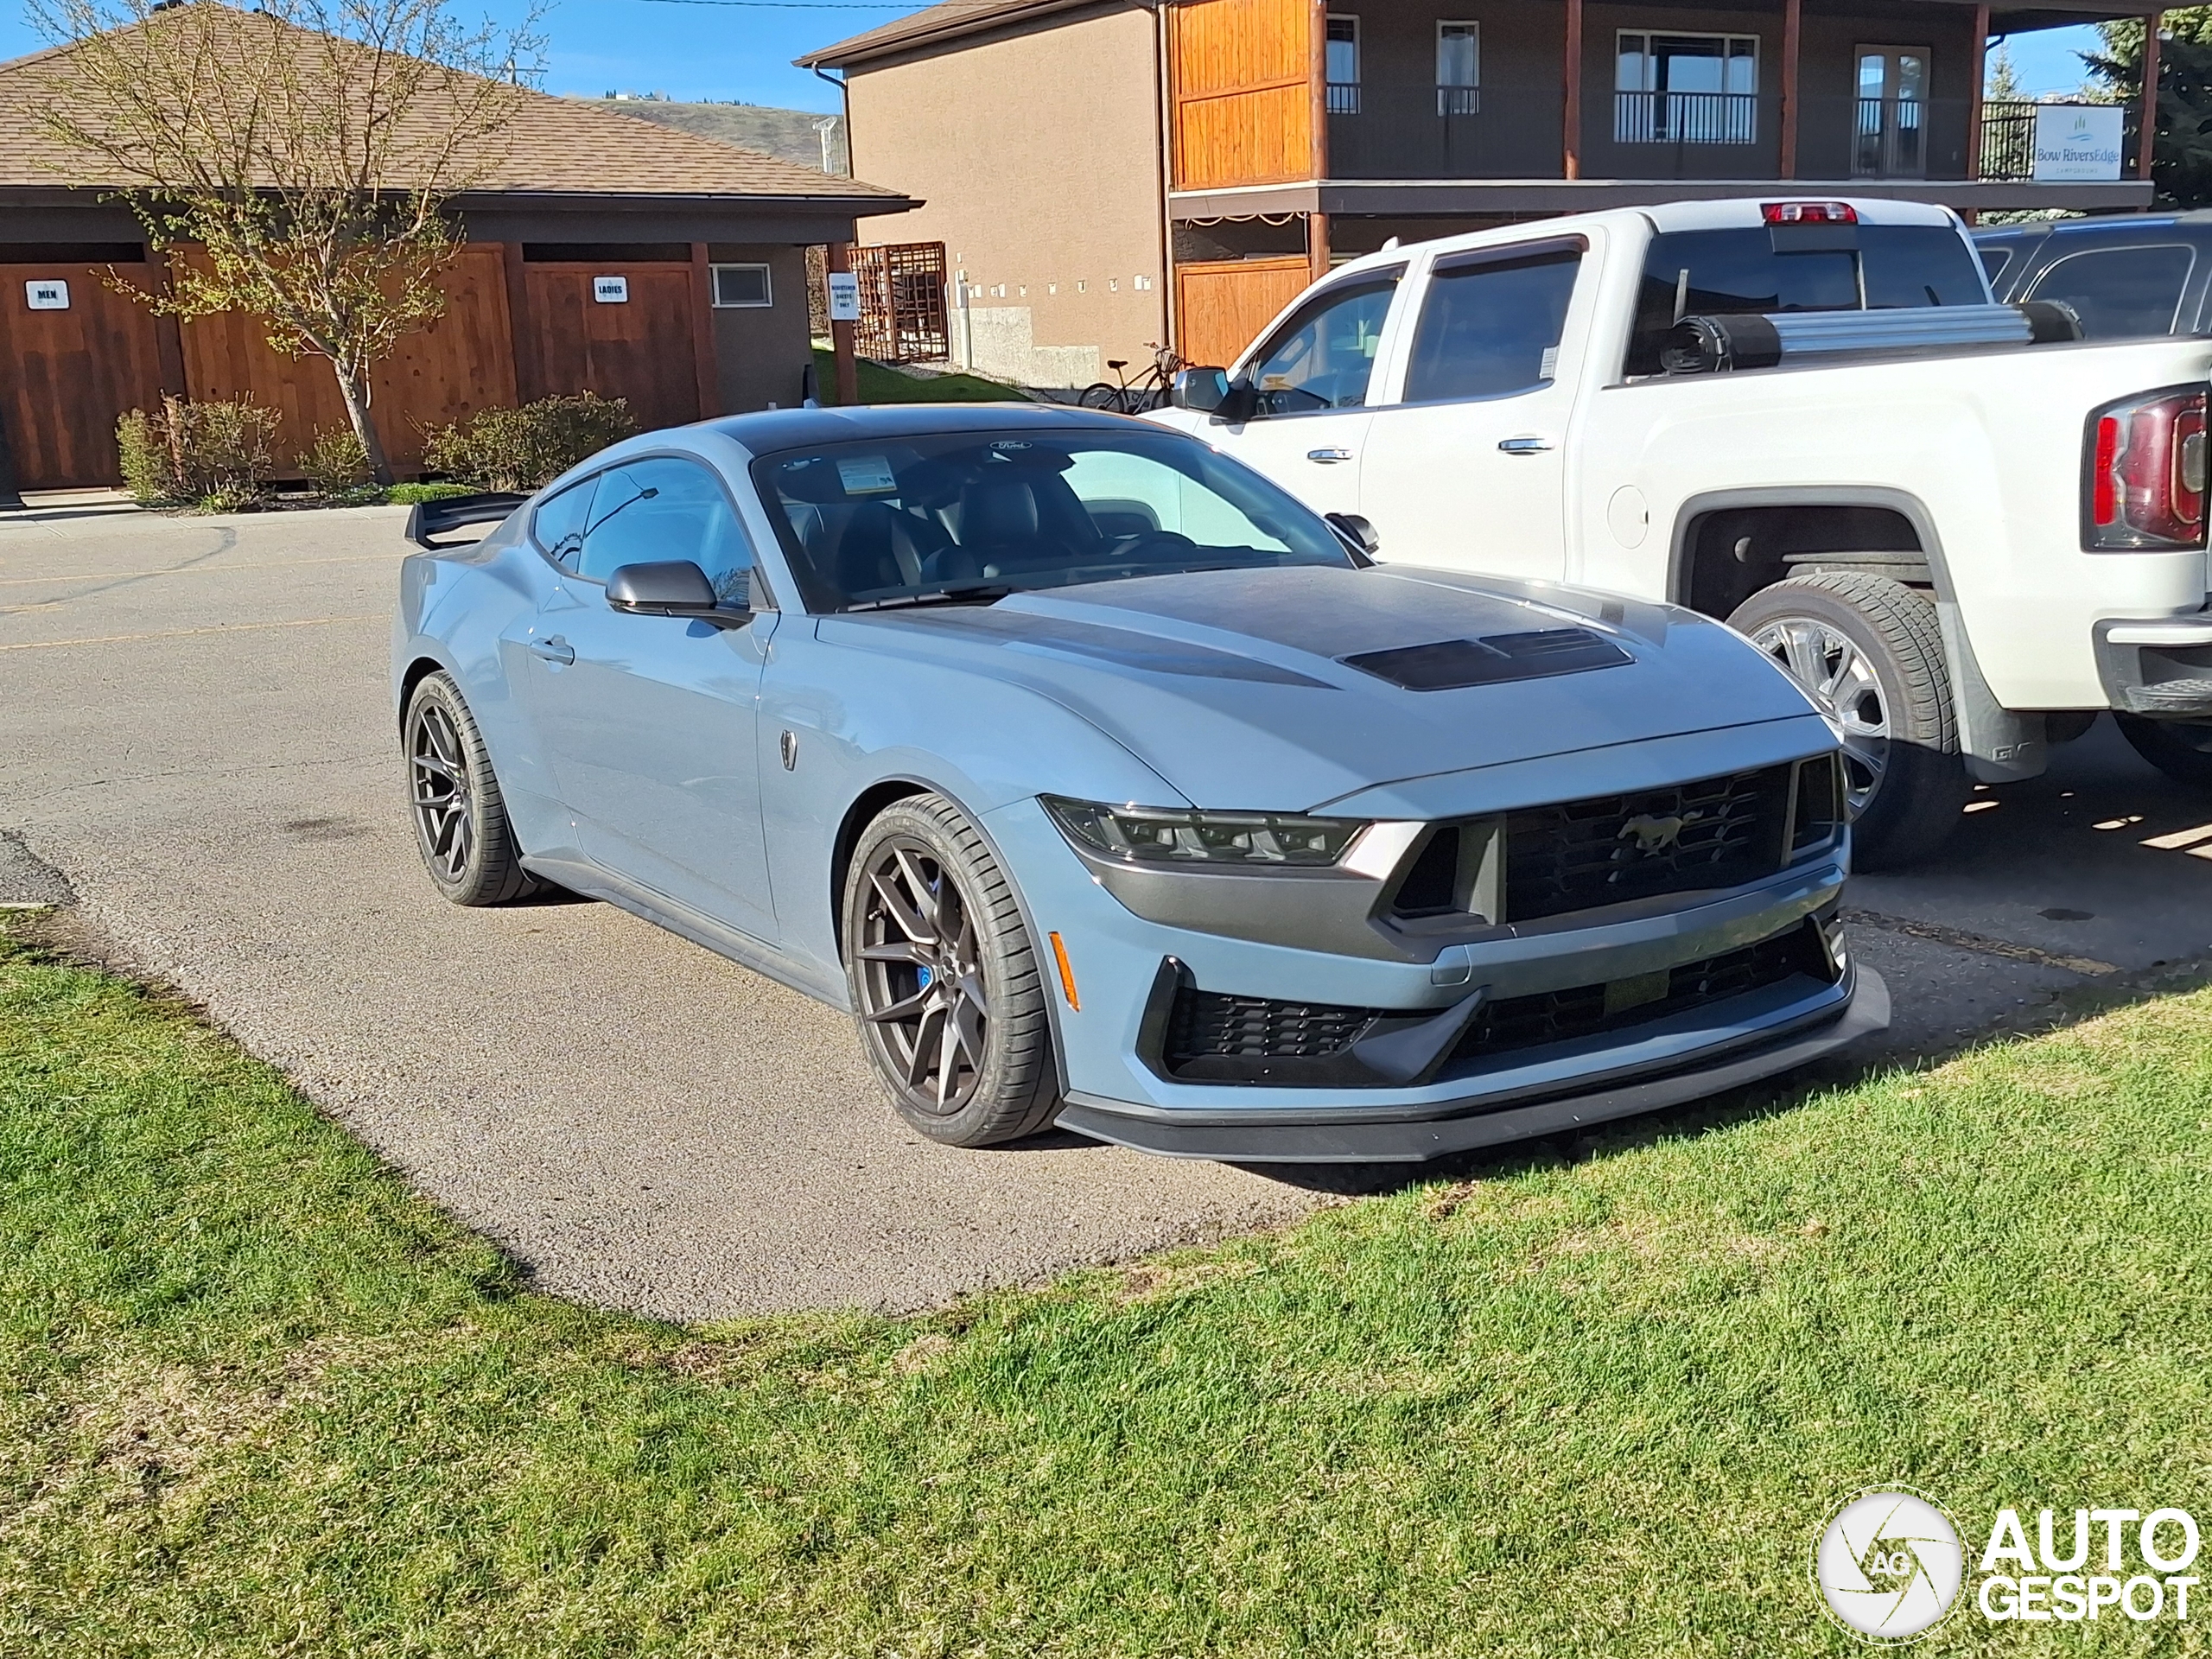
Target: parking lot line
(181, 633)
(1938, 934)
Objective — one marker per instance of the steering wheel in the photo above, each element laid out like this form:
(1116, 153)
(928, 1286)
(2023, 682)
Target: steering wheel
(1158, 543)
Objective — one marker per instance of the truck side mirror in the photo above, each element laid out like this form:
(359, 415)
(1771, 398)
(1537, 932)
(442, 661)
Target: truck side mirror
(1202, 391)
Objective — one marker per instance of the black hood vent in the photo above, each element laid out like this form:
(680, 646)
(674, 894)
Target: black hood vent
(1454, 664)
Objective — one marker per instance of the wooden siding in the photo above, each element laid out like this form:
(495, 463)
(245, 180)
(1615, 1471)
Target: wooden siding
(1241, 73)
(642, 350)
(1221, 307)
(67, 377)
(461, 363)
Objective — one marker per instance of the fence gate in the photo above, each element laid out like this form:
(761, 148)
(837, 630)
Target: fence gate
(902, 301)
(1221, 305)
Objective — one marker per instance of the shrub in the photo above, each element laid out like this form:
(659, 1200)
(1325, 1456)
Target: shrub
(335, 463)
(217, 454)
(407, 495)
(522, 449)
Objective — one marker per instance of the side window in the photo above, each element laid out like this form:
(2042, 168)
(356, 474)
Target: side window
(1994, 261)
(1491, 327)
(667, 509)
(559, 523)
(1323, 357)
(2119, 291)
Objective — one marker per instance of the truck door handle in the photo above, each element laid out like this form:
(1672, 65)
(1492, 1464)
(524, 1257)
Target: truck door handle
(1328, 457)
(1528, 444)
(556, 649)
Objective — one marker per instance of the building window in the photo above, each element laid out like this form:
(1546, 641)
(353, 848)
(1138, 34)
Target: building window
(742, 285)
(1343, 66)
(1458, 68)
(1687, 89)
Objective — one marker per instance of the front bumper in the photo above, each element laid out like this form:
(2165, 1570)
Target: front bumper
(2158, 667)
(1482, 1120)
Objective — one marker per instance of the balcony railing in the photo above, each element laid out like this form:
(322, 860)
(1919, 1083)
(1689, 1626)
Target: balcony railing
(1343, 97)
(1686, 117)
(1459, 100)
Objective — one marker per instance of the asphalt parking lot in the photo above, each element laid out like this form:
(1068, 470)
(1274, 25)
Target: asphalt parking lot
(199, 758)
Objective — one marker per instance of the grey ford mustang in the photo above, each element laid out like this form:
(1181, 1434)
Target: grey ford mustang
(1104, 783)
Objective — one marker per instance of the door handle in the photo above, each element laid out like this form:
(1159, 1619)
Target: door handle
(1328, 457)
(1529, 444)
(556, 649)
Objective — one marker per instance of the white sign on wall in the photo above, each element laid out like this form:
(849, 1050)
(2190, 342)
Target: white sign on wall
(611, 290)
(46, 293)
(845, 291)
(2078, 141)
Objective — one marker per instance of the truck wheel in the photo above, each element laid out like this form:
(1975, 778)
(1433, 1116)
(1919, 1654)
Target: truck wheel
(1869, 652)
(2180, 748)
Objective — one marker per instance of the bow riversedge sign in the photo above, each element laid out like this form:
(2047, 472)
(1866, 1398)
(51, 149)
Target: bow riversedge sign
(2077, 141)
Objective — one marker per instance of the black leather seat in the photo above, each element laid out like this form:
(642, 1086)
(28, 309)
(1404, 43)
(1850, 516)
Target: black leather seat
(882, 548)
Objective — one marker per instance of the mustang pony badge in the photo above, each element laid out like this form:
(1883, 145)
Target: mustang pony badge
(1655, 835)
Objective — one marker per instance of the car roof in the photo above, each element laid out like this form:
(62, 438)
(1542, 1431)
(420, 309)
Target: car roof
(793, 428)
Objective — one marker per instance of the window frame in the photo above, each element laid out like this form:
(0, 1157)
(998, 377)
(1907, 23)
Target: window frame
(1727, 38)
(1450, 265)
(763, 593)
(714, 286)
(1445, 102)
(2181, 292)
(1329, 82)
(1395, 275)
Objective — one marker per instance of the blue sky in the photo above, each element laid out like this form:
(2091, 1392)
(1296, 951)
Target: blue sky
(707, 51)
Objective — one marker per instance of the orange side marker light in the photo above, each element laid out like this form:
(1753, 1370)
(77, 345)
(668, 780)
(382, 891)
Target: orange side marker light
(1067, 974)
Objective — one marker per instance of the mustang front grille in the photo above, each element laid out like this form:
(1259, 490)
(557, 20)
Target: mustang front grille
(1718, 832)
(1207, 1025)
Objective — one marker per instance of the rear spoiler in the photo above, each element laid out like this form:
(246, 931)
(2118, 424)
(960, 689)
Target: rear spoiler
(1713, 344)
(431, 518)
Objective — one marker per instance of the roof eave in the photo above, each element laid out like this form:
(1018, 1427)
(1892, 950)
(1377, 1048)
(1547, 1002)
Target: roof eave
(874, 44)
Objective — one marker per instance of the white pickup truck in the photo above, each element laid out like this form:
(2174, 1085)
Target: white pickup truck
(1769, 412)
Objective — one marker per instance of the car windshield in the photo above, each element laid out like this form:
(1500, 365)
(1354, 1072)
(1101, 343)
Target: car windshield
(969, 517)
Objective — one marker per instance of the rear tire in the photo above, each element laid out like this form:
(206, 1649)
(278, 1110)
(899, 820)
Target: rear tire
(1099, 395)
(460, 818)
(947, 989)
(1869, 652)
(2180, 748)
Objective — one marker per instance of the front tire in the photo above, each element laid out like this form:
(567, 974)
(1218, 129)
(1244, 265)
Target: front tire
(460, 818)
(1869, 653)
(946, 987)
(1099, 395)
(2180, 748)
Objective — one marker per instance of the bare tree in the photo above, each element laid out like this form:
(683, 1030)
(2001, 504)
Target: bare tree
(310, 151)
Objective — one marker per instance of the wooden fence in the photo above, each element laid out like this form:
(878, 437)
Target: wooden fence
(1221, 305)
(513, 329)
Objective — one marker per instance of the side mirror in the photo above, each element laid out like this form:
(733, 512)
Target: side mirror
(1356, 531)
(1201, 390)
(671, 588)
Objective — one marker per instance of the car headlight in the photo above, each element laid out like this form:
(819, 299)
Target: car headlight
(1153, 834)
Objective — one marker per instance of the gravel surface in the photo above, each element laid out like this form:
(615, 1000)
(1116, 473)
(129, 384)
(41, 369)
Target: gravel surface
(199, 752)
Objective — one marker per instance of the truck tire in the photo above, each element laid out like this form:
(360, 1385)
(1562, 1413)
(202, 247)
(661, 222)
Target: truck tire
(2180, 748)
(1868, 651)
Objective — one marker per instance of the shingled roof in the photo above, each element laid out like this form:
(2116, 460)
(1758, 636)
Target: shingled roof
(950, 20)
(553, 146)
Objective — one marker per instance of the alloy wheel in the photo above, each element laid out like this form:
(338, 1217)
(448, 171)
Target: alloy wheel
(1839, 677)
(442, 794)
(921, 978)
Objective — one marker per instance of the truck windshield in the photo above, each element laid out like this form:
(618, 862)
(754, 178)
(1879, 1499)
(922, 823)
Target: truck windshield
(1730, 273)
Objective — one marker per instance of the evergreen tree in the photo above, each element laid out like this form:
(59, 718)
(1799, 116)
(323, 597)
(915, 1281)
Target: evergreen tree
(2181, 159)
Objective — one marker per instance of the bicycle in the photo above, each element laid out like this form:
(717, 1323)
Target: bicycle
(1150, 391)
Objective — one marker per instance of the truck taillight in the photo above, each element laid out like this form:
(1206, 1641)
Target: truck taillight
(2145, 463)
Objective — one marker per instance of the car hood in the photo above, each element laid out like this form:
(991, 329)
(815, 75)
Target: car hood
(1285, 690)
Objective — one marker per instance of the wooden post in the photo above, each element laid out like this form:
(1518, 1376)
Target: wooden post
(1572, 135)
(839, 258)
(529, 382)
(1793, 41)
(1317, 246)
(705, 359)
(1975, 93)
(2147, 143)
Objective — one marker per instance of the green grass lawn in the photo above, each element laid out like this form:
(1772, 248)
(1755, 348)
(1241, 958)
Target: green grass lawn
(878, 384)
(255, 1399)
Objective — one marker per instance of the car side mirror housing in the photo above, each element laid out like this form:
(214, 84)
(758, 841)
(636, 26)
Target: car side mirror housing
(1356, 530)
(1200, 391)
(671, 588)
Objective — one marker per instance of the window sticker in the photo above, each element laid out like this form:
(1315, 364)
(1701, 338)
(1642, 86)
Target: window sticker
(867, 475)
(1547, 365)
